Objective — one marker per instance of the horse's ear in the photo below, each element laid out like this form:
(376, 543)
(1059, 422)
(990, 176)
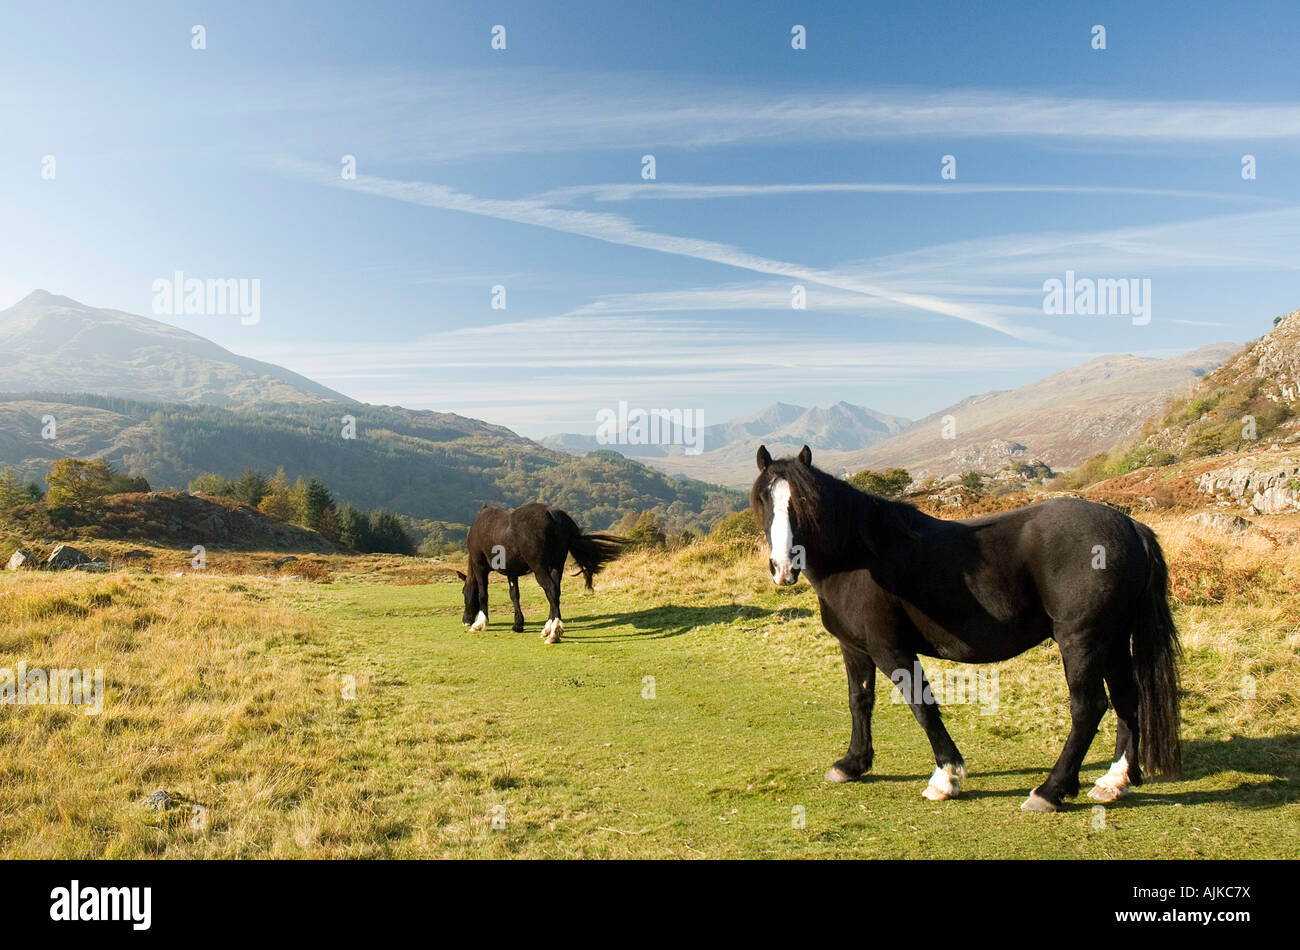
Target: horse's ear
(461, 575)
(805, 456)
(764, 458)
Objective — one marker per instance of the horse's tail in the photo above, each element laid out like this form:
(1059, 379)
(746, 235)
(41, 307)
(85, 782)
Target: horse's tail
(1156, 652)
(591, 551)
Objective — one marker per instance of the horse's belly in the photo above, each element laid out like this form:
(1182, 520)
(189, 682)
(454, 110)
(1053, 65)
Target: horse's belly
(981, 639)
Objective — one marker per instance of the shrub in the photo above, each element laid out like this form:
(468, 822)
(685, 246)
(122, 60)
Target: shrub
(646, 533)
(737, 526)
(210, 483)
(891, 483)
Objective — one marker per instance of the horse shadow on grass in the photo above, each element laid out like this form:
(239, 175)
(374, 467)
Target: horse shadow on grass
(657, 623)
(1273, 762)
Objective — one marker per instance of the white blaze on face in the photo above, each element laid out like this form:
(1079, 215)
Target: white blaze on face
(780, 536)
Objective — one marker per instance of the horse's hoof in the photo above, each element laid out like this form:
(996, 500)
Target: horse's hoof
(1106, 794)
(945, 783)
(480, 622)
(1037, 803)
(837, 774)
(555, 632)
(1112, 786)
(546, 630)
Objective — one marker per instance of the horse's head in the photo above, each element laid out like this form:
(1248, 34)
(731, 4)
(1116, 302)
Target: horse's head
(781, 497)
(471, 599)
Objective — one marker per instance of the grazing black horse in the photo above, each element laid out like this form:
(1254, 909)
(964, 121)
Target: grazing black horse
(894, 583)
(534, 538)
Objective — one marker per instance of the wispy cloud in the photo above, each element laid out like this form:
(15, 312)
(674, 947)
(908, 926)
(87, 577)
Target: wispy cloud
(616, 229)
(452, 117)
(1253, 241)
(679, 191)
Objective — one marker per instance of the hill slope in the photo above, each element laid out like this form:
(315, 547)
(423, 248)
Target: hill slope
(1250, 405)
(53, 343)
(429, 465)
(1062, 419)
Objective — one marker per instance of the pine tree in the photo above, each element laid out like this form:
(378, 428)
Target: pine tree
(250, 488)
(354, 529)
(316, 501)
(12, 492)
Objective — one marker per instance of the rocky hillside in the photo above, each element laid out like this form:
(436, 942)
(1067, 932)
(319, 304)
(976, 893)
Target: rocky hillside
(1249, 406)
(1263, 482)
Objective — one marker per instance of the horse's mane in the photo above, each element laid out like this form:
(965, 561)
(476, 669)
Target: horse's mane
(842, 516)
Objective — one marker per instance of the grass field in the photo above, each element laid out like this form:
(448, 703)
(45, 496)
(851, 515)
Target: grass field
(232, 692)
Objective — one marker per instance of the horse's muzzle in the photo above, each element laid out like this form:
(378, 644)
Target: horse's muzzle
(783, 574)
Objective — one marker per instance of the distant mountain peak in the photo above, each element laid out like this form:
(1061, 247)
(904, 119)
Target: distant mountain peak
(52, 343)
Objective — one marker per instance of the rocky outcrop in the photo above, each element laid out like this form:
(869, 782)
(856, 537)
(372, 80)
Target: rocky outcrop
(21, 559)
(1263, 486)
(988, 456)
(1224, 524)
(65, 557)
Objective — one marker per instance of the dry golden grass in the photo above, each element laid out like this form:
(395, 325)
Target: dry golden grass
(211, 692)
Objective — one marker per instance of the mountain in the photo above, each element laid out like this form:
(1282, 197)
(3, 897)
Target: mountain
(1062, 419)
(160, 402)
(52, 343)
(729, 447)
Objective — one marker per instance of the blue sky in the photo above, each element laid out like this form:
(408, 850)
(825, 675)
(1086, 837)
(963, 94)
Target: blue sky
(774, 167)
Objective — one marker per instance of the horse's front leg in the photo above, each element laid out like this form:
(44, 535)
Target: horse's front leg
(862, 697)
(518, 626)
(905, 671)
(550, 583)
(481, 582)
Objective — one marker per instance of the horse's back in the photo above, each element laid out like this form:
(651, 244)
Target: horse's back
(986, 589)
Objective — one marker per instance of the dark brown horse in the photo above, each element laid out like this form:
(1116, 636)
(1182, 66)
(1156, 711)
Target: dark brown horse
(533, 538)
(894, 583)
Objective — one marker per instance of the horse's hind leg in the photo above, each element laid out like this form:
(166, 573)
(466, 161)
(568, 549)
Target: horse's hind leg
(554, 625)
(1124, 771)
(1083, 674)
(514, 599)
